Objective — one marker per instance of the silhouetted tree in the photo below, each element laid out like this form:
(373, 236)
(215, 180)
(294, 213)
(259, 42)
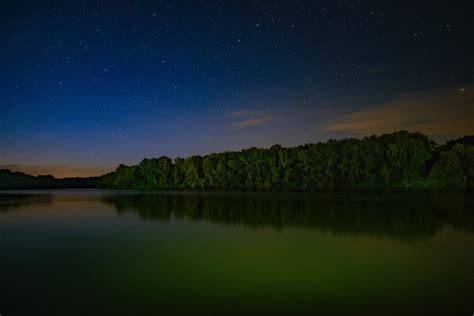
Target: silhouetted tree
(399, 159)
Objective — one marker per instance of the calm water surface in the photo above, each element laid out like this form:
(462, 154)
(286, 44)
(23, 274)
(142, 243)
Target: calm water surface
(131, 253)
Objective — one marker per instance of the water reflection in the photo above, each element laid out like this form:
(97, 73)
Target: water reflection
(12, 201)
(94, 244)
(399, 215)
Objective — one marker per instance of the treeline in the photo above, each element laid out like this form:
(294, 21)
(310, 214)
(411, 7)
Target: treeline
(399, 159)
(19, 180)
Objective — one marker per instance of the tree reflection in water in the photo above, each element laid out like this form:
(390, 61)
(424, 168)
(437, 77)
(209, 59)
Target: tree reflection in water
(400, 215)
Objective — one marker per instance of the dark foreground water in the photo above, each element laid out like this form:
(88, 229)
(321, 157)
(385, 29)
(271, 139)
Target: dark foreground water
(129, 253)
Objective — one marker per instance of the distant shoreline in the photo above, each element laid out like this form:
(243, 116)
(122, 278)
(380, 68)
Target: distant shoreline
(10, 180)
(399, 160)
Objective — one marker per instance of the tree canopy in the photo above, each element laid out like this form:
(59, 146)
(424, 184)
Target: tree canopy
(399, 159)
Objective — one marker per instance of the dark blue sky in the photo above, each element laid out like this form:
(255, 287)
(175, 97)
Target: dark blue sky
(86, 85)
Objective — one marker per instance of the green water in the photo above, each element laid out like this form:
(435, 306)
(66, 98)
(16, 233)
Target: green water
(130, 253)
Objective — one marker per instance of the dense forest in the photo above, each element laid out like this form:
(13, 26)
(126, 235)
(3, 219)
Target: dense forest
(399, 159)
(19, 180)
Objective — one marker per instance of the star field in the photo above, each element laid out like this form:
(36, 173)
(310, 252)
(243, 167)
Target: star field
(86, 85)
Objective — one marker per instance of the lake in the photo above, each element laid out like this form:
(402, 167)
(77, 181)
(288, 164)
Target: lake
(92, 252)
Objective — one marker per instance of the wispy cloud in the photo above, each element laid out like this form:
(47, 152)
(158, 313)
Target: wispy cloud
(251, 122)
(59, 171)
(249, 118)
(241, 113)
(446, 112)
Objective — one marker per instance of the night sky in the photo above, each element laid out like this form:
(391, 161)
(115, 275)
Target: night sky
(87, 85)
